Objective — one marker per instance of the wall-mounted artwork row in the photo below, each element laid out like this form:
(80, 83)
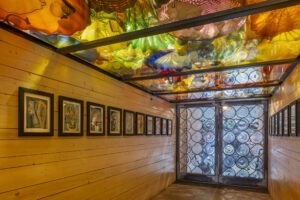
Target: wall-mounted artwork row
(286, 122)
(36, 118)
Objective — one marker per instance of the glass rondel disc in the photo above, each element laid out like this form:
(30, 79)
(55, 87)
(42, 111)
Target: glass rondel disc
(243, 137)
(229, 137)
(242, 162)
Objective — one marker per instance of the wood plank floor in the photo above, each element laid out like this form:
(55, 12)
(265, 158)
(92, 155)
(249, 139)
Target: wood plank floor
(199, 192)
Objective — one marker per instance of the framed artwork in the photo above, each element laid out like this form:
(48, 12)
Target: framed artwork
(285, 123)
(170, 127)
(294, 118)
(114, 121)
(140, 124)
(275, 124)
(70, 117)
(164, 126)
(95, 119)
(36, 113)
(272, 125)
(129, 122)
(280, 120)
(157, 126)
(149, 125)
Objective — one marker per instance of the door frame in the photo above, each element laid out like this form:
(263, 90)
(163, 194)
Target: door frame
(217, 179)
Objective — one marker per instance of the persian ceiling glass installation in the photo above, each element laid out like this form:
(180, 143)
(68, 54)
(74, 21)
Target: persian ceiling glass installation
(223, 94)
(216, 80)
(168, 45)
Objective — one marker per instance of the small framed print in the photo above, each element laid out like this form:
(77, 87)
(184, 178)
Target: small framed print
(114, 121)
(36, 113)
(275, 124)
(157, 126)
(140, 124)
(70, 117)
(170, 127)
(285, 123)
(280, 120)
(294, 118)
(164, 126)
(129, 122)
(95, 119)
(149, 125)
(272, 126)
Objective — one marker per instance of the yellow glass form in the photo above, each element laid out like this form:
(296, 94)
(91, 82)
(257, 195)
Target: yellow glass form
(49, 16)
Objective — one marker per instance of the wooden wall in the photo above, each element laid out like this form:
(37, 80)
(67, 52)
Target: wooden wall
(284, 152)
(76, 167)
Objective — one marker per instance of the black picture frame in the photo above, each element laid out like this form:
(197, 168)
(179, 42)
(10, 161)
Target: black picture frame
(170, 127)
(129, 123)
(280, 123)
(149, 125)
(164, 126)
(140, 124)
(294, 118)
(272, 125)
(114, 121)
(276, 124)
(285, 121)
(70, 122)
(36, 113)
(157, 126)
(95, 119)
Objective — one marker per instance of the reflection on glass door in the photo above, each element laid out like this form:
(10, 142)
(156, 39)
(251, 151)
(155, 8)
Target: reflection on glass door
(222, 144)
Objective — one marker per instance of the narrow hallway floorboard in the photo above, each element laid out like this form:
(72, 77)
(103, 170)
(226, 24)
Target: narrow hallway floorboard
(199, 192)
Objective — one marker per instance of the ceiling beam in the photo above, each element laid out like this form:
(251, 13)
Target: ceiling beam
(213, 69)
(220, 99)
(210, 89)
(183, 24)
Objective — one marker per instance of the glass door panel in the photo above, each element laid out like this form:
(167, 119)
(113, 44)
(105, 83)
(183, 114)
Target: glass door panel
(223, 144)
(199, 126)
(243, 137)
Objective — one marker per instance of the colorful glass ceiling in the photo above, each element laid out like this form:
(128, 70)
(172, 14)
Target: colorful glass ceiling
(176, 49)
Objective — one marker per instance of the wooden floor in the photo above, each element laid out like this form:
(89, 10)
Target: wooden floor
(197, 192)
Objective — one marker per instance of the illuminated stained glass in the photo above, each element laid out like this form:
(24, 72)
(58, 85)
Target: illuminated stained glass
(215, 80)
(231, 42)
(225, 94)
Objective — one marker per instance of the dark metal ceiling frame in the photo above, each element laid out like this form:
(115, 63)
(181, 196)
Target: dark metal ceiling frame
(283, 78)
(209, 89)
(187, 23)
(257, 97)
(213, 69)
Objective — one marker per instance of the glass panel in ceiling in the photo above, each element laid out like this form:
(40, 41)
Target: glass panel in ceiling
(224, 94)
(216, 80)
(255, 42)
(67, 22)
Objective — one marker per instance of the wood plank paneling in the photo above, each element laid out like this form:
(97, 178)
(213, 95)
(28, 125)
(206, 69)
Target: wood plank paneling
(284, 152)
(76, 167)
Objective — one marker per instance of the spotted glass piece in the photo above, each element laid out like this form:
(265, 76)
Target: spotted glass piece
(200, 140)
(243, 141)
